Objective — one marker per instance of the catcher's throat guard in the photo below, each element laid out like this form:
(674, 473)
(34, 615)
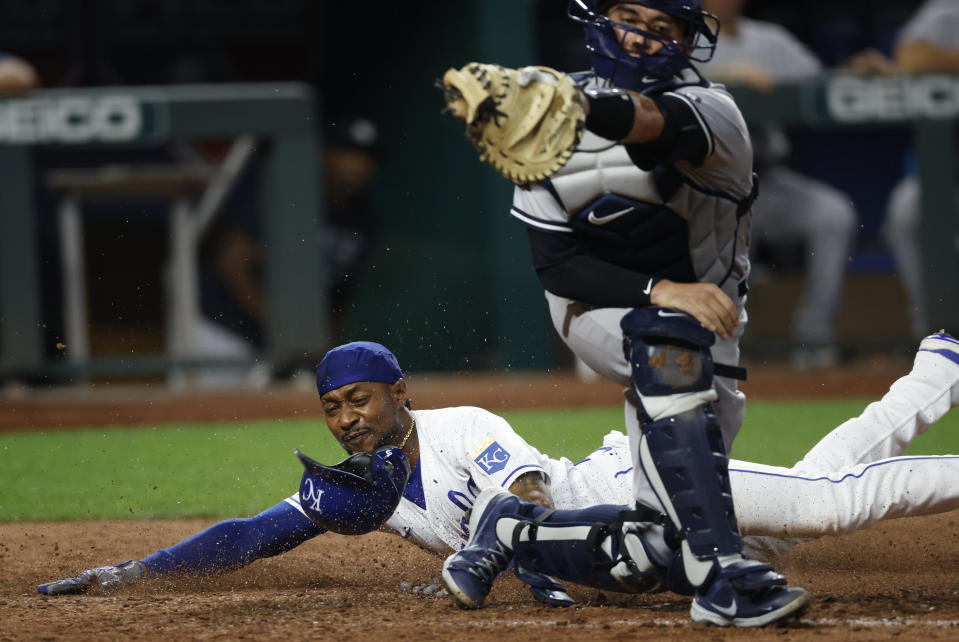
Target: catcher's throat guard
(358, 494)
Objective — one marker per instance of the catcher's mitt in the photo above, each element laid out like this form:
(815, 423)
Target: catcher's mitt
(524, 122)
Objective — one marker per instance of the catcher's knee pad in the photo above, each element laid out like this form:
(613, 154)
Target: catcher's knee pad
(669, 357)
(592, 547)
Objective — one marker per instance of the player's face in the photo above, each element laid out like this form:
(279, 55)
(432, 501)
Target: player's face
(651, 20)
(366, 415)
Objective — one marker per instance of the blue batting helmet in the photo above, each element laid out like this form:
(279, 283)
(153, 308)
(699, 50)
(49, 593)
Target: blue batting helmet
(356, 361)
(611, 62)
(358, 494)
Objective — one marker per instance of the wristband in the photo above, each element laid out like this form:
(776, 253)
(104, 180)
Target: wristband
(611, 113)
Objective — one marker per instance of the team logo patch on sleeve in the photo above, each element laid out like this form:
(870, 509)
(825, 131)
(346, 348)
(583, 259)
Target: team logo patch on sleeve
(493, 459)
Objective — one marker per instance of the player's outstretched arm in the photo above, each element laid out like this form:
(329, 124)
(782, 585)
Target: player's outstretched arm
(919, 56)
(226, 545)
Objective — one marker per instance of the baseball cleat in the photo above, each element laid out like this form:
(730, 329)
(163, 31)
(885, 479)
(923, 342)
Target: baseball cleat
(469, 573)
(747, 593)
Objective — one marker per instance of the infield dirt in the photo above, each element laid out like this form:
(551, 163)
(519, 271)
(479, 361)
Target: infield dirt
(898, 580)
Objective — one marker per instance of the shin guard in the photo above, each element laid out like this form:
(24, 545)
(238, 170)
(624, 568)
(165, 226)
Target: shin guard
(681, 451)
(685, 462)
(591, 547)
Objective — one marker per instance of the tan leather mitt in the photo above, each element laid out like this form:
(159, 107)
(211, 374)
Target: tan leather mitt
(525, 122)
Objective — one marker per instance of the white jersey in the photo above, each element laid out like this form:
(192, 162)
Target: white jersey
(851, 479)
(466, 450)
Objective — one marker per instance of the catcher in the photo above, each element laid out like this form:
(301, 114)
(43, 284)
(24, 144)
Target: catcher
(415, 473)
(641, 236)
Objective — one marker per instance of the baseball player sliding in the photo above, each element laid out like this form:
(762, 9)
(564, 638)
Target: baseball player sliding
(429, 467)
(635, 184)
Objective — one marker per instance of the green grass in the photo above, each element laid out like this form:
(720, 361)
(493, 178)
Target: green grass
(775, 433)
(226, 469)
(163, 471)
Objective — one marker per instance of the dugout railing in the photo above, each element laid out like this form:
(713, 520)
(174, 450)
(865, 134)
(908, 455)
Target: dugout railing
(283, 118)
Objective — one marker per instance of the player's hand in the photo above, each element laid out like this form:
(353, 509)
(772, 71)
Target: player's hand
(869, 61)
(433, 588)
(704, 301)
(105, 578)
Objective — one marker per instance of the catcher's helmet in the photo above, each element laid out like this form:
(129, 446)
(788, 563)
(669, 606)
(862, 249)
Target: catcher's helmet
(611, 62)
(356, 495)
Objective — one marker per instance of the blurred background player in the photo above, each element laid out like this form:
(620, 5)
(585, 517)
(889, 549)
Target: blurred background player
(929, 42)
(351, 160)
(16, 74)
(792, 209)
(233, 300)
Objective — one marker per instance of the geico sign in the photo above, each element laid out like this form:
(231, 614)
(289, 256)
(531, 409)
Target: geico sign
(851, 99)
(73, 119)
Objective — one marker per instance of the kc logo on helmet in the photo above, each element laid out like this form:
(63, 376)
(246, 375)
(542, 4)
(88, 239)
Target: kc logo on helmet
(311, 495)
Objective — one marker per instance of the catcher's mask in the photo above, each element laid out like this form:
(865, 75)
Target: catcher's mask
(356, 495)
(610, 61)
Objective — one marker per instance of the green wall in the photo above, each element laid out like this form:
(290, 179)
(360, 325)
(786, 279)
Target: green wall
(449, 285)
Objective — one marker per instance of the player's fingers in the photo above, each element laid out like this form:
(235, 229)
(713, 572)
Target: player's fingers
(722, 311)
(68, 586)
(433, 588)
(705, 302)
(727, 317)
(702, 313)
(715, 319)
(724, 327)
(692, 303)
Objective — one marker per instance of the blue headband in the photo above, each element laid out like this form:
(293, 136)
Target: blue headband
(357, 361)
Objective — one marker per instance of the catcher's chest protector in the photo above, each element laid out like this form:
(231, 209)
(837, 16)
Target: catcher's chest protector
(652, 221)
